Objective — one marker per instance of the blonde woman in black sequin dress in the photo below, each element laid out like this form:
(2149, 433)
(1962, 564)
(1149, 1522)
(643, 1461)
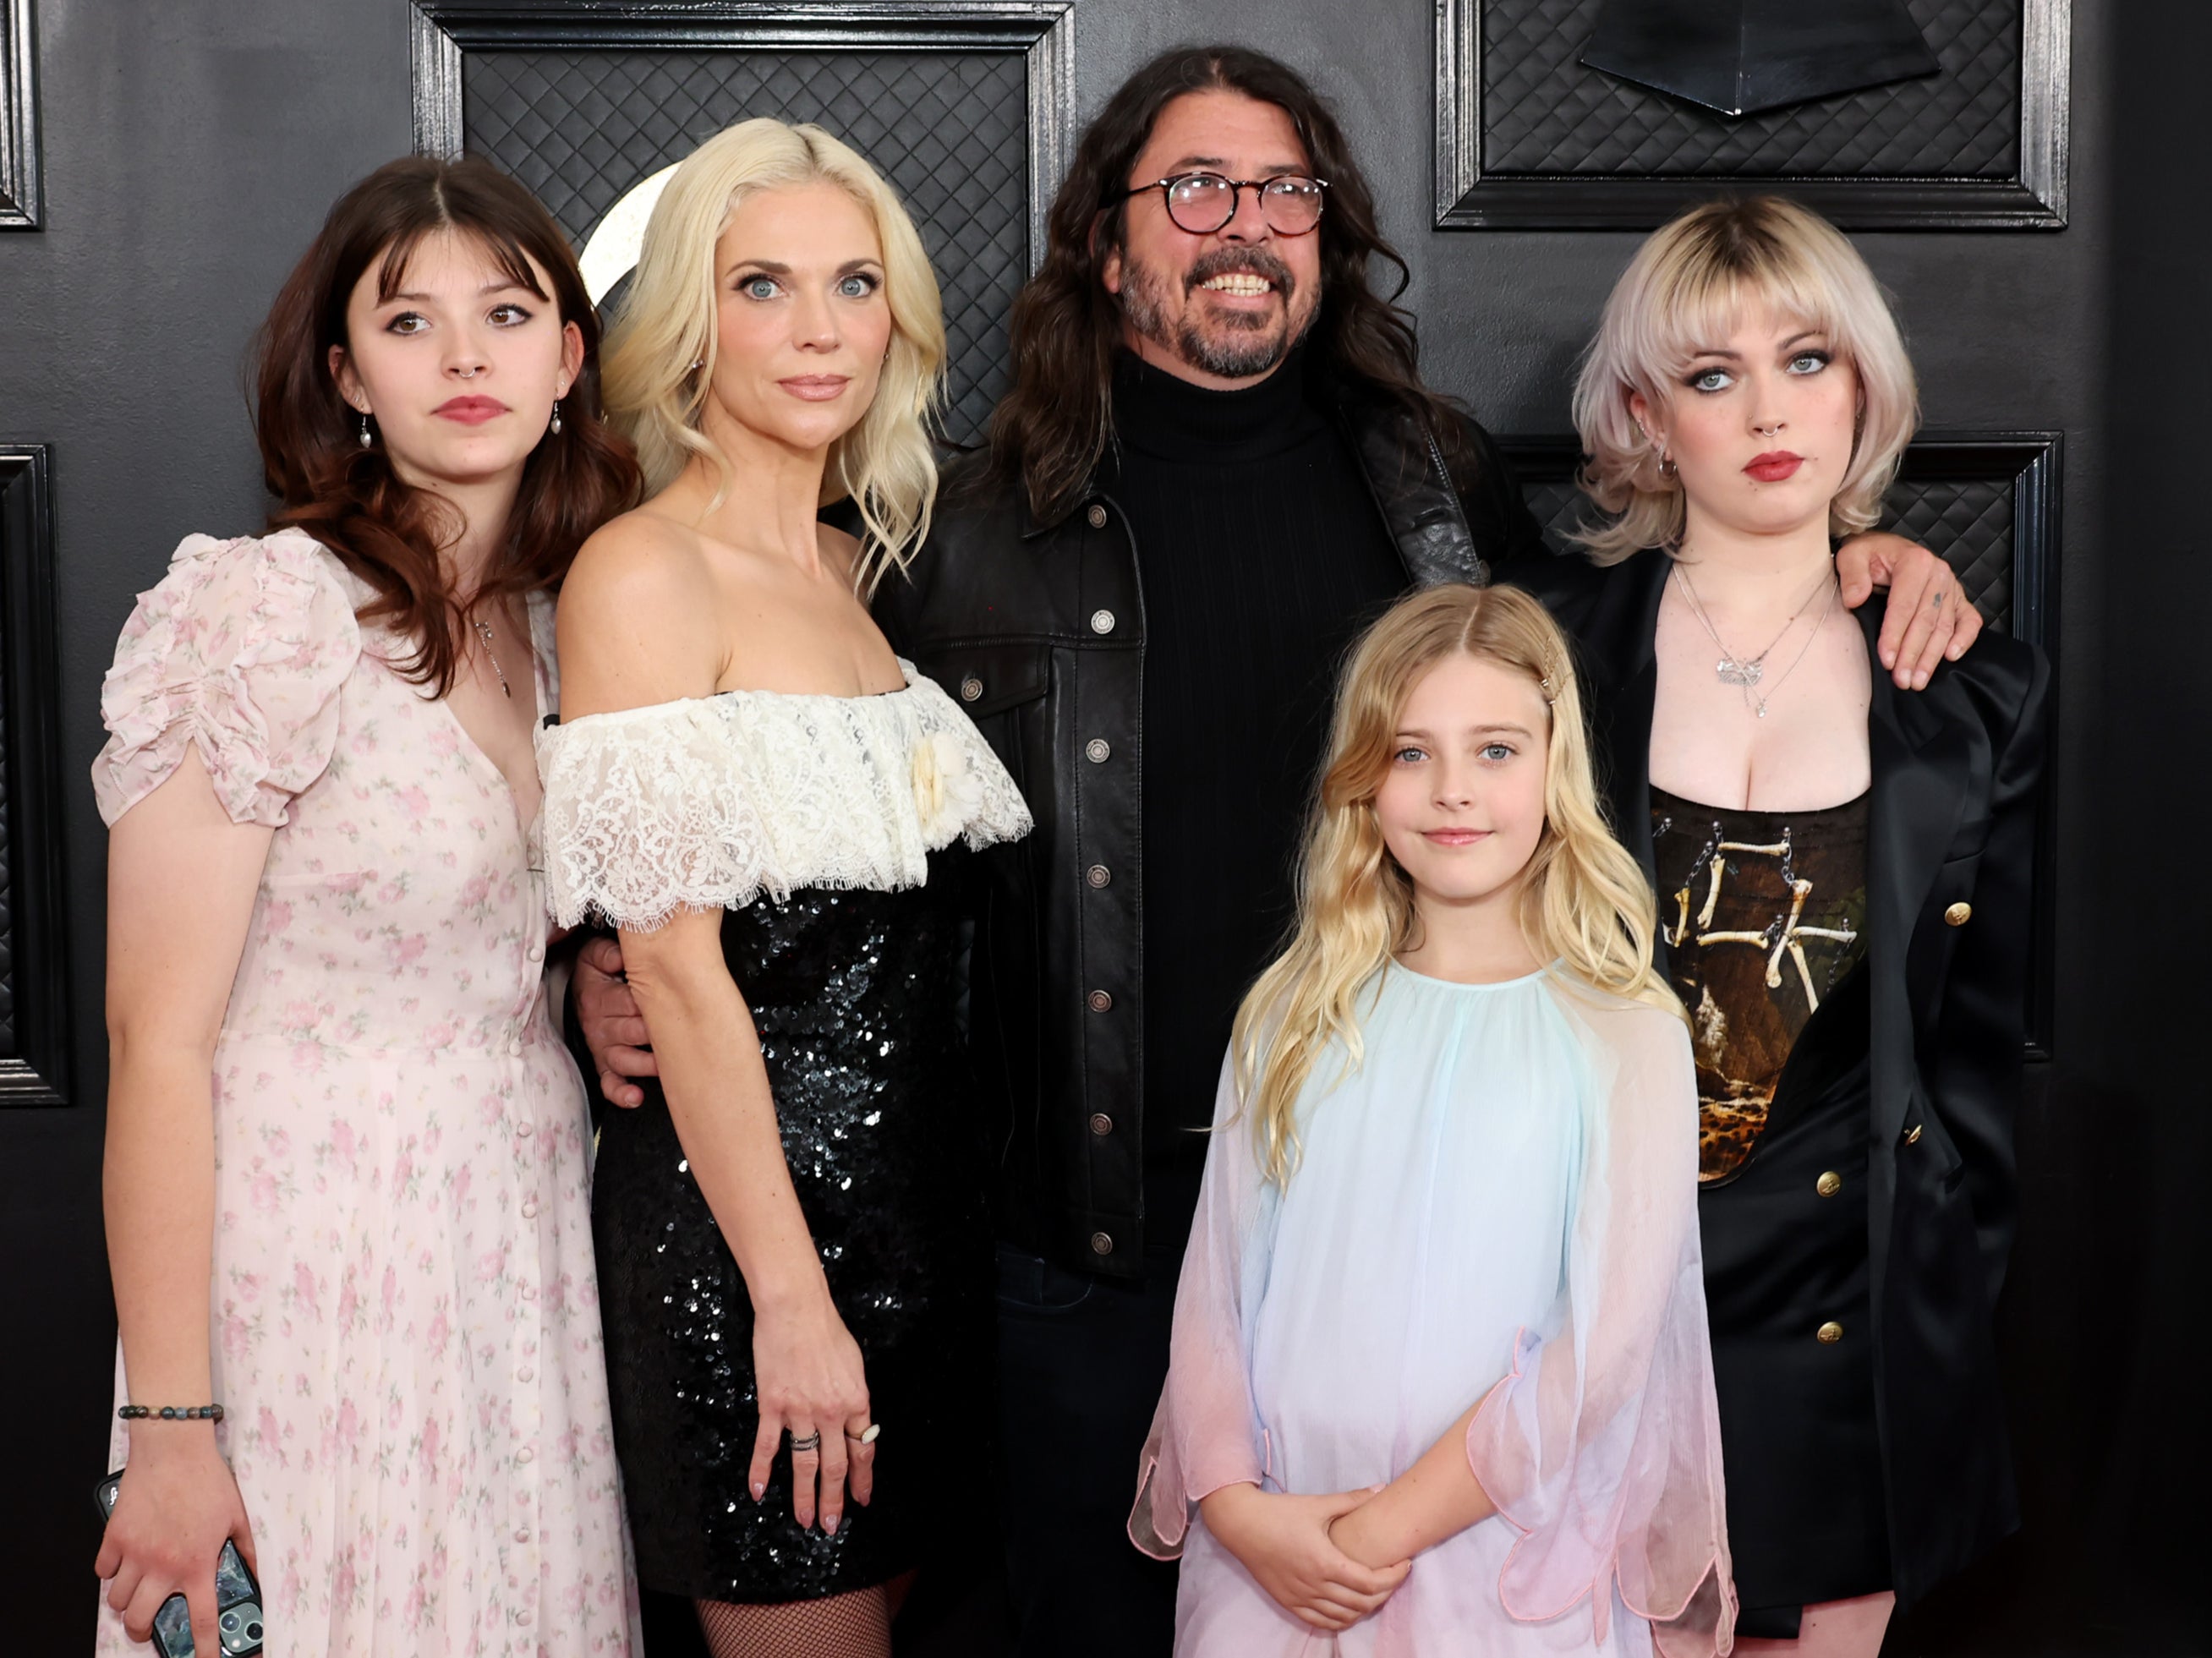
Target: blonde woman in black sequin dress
(1842, 867)
(795, 1258)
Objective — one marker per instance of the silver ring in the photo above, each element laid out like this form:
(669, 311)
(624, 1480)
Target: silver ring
(811, 1442)
(867, 1435)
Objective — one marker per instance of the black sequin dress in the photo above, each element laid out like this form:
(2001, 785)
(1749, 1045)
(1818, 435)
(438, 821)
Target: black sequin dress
(829, 828)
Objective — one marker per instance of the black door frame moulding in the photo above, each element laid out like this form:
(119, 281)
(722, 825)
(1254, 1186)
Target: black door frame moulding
(19, 118)
(1467, 198)
(1043, 31)
(2030, 462)
(30, 749)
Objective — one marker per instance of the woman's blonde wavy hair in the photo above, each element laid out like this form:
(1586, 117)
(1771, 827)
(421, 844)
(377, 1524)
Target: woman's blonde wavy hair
(1585, 902)
(1683, 293)
(656, 398)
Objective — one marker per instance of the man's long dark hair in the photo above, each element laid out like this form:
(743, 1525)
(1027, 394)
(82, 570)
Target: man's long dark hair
(347, 496)
(1050, 429)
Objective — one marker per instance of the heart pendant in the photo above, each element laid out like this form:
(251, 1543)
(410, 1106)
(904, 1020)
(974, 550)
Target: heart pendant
(1732, 672)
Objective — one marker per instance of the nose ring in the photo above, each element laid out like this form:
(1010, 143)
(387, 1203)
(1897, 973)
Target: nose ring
(1768, 431)
(468, 373)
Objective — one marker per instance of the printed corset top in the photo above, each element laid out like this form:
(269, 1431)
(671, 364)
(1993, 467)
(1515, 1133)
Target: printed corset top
(1763, 914)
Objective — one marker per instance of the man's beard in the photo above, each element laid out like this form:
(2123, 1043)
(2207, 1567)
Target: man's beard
(1257, 343)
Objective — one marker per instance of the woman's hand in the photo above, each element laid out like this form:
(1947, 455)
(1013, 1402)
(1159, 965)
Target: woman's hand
(177, 1504)
(811, 1379)
(1284, 1542)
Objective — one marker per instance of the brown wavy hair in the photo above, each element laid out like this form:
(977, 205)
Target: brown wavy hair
(1049, 430)
(388, 532)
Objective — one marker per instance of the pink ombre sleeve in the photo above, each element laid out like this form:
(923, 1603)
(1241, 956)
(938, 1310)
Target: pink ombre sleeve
(1205, 1433)
(1602, 1447)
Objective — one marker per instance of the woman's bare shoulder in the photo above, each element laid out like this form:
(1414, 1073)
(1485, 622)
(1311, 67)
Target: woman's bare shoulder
(640, 617)
(642, 559)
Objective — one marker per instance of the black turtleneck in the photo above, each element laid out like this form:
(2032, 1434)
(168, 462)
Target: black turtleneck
(1261, 554)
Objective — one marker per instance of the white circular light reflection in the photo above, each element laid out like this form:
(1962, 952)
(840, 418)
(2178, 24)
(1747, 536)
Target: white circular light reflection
(611, 253)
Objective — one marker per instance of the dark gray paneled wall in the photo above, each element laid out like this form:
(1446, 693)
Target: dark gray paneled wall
(191, 146)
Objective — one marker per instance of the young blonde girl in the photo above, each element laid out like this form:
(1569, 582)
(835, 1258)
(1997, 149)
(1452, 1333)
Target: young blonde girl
(1439, 1379)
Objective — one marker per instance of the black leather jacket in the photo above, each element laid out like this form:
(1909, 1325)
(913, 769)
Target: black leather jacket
(1037, 630)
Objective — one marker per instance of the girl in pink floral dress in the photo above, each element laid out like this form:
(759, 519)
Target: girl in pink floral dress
(346, 1170)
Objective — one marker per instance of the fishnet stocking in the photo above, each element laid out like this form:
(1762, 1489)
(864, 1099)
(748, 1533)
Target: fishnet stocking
(854, 1625)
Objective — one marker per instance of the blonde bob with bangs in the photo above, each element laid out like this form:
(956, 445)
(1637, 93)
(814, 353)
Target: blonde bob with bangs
(1584, 903)
(656, 397)
(1685, 291)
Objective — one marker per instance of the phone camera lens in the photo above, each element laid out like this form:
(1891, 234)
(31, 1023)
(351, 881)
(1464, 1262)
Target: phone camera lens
(254, 1632)
(229, 1621)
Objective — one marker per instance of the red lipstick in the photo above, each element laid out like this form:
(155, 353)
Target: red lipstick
(471, 411)
(1774, 465)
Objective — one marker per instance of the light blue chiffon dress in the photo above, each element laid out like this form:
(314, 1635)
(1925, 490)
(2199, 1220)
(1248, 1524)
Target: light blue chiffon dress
(1496, 1204)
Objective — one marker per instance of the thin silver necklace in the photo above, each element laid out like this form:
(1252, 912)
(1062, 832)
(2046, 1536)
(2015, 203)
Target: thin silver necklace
(483, 632)
(1746, 672)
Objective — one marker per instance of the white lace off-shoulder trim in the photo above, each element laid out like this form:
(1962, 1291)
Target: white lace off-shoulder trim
(706, 803)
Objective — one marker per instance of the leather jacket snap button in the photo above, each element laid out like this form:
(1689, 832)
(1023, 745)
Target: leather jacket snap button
(1101, 1123)
(1097, 751)
(1100, 1001)
(1102, 1243)
(970, 689)
(1098, 875)
(1096, 515)
(1101, 622)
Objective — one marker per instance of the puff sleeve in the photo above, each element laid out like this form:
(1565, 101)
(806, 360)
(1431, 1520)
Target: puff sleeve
(240, 653)
(1602, 1447)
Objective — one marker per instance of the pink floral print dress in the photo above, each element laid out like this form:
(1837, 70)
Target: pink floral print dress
(404, 1316)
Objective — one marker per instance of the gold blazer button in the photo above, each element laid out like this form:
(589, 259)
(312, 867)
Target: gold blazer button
(1829, 1184)
(1958, 915)
(1829, 1333)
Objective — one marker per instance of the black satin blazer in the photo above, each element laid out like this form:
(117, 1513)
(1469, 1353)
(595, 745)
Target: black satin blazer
(1951, 846)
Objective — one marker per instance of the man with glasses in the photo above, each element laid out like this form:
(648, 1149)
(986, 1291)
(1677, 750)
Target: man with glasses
(1217, 462)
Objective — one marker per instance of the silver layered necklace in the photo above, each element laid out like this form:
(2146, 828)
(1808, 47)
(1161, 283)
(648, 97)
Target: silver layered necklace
(1747, 672)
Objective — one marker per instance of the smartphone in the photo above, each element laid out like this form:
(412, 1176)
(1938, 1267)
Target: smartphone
(237, 1599)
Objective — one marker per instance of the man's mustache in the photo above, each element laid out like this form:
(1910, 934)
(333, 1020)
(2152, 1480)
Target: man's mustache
(1256, 260)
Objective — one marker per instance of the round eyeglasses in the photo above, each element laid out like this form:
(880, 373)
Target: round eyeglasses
(1202, 203)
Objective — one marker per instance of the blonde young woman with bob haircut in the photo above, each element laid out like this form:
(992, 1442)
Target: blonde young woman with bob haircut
(1843, 874)
(764, 801)
(1439, 1379)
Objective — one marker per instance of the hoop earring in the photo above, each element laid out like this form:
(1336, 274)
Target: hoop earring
(366, 441)
(555, 428)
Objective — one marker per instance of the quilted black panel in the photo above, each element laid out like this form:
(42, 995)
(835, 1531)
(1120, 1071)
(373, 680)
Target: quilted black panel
(949, 130)
(8, 1048)
(1544, 113)
(1969, 522)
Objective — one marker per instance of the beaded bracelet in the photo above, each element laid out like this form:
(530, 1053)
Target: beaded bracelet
(172, 1412)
